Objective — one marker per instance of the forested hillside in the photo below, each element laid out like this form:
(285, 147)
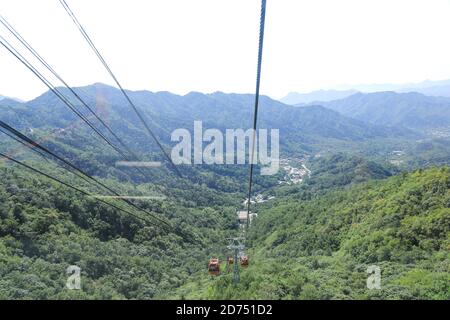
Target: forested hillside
(411, 110)
(321, 248)
(304, 131)
(309, 129)
(110, 191)
(45, 227)
(313, 239)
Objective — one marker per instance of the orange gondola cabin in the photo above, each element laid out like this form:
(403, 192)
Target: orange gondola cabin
(230, 260)
(214, 267)
(244, 261)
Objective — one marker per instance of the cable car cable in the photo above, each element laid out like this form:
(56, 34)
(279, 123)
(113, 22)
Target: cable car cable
(42, 154)
(56, 91)
(39, 153)
(255, 116)
(5, 43)
(42, 60)
(23, 143)
(68, 163)
(75, 188)
(108, 69)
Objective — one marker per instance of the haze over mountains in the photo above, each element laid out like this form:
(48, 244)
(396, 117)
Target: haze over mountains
(431, 88)
(423, 107)
(15, 99)
(295, 98)
(412, 110)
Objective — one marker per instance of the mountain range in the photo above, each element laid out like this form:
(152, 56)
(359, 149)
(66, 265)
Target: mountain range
(167, 112)
(295, 98)
(374, 124)
(411, 110)
(439, 88)
(311, 240)
(9, 98)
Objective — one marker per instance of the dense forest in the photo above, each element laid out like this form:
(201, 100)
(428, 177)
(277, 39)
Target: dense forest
(302, 246)
(321, 248)
(375, 196)
(44, 228)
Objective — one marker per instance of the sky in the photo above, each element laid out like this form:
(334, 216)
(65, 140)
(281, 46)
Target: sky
(211, 45)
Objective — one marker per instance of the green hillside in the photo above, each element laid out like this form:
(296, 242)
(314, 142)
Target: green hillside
(320, 249)
(357, 206)
(307, 129)
(44, 228)
(411, 110)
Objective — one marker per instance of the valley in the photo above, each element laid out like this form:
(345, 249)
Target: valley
(350, 193)
(224, 157)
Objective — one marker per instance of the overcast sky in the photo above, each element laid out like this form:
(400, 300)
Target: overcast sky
(211, 45)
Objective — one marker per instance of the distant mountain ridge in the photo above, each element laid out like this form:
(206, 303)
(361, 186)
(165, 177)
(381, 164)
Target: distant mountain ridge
(5, 101)
(402, 87)
(411, 110)
(10, 98)
(305, 127)
(295, 98)
(436, 91)
(427, 87)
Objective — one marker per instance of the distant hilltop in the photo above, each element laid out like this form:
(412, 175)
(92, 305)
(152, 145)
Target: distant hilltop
(15, 99)
(430, 88)
(294, 98)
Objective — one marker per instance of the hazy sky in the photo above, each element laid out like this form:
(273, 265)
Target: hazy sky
(211, 45)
